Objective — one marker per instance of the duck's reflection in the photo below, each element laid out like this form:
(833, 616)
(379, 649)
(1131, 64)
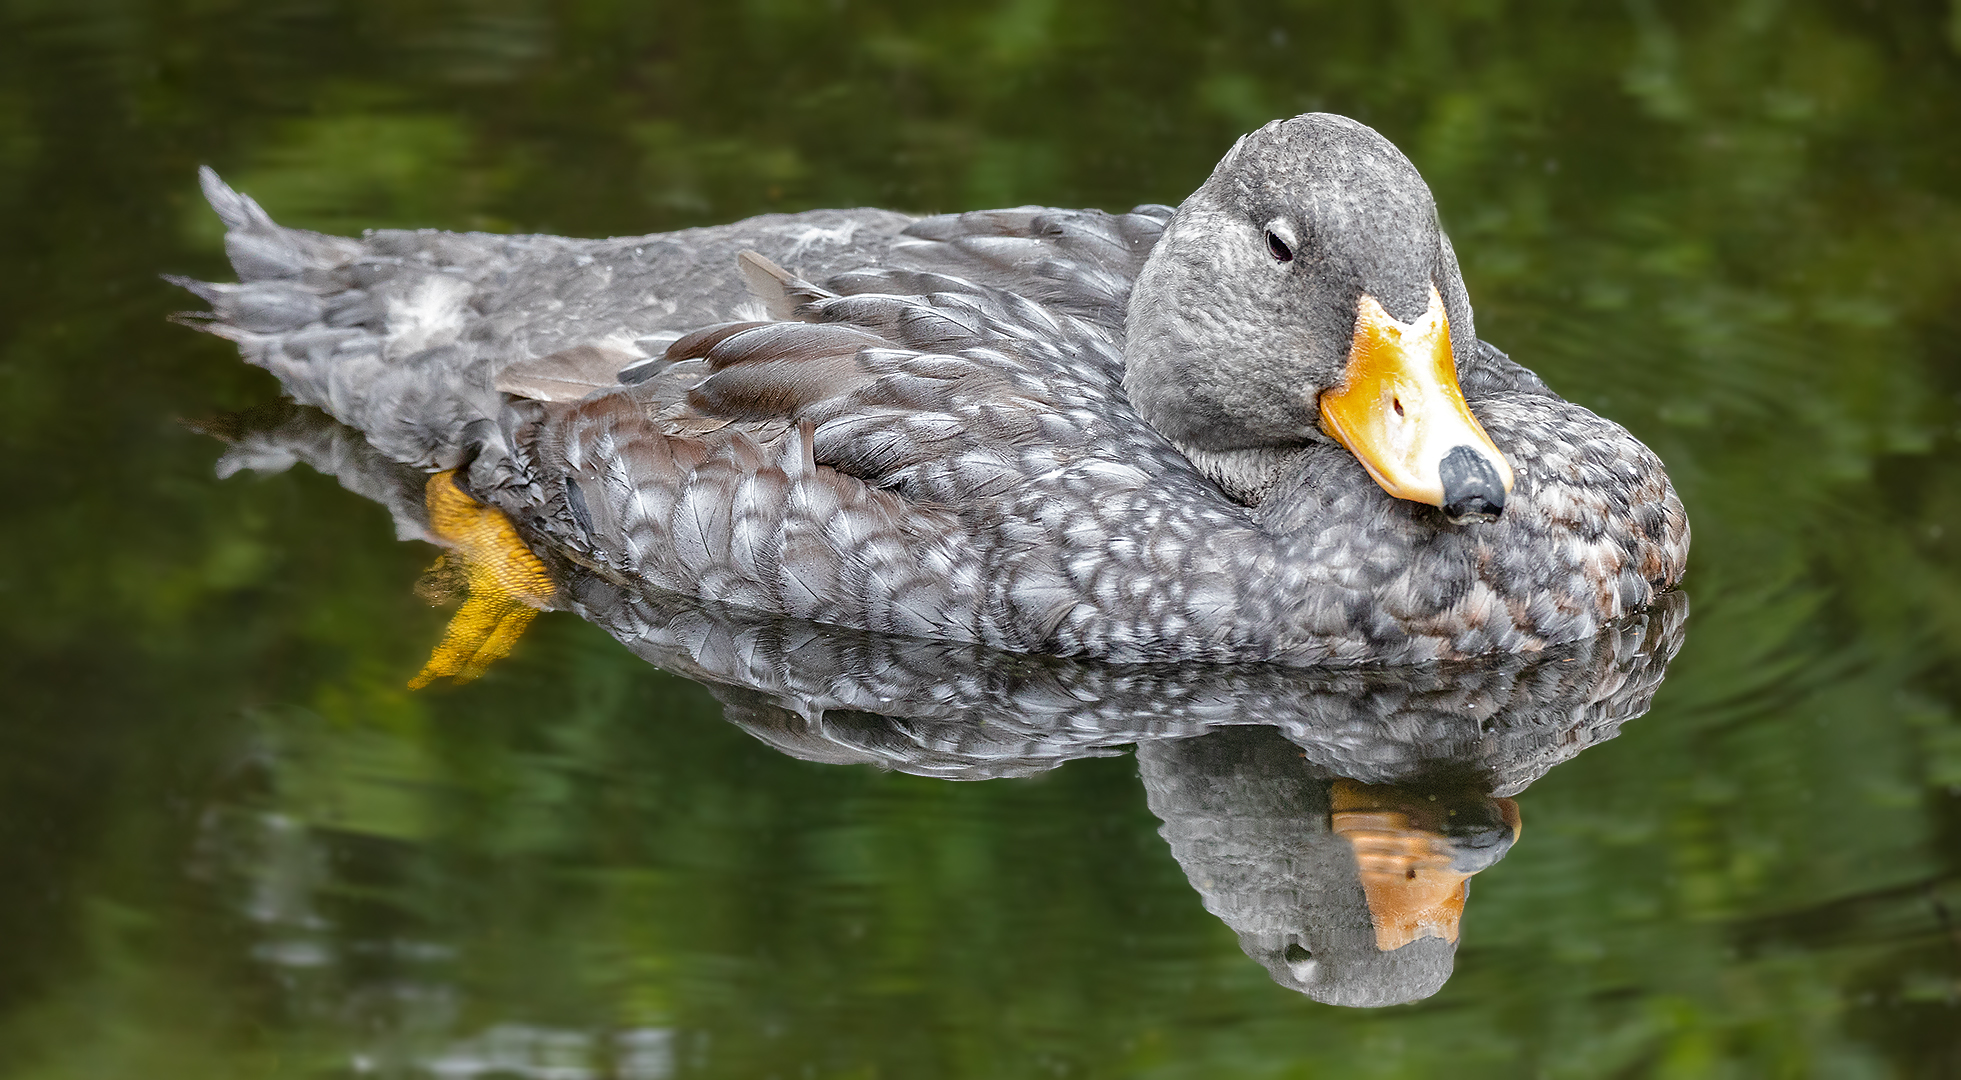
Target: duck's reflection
(1351, 893)
(1332, 819)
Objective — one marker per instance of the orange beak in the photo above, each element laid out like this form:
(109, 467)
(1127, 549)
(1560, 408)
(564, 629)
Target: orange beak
(1400, 411)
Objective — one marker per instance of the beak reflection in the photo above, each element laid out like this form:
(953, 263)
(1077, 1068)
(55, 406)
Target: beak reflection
(1416, 853)
(1400, 411)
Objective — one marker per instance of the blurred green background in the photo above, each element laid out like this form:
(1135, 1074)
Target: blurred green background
(231, 845)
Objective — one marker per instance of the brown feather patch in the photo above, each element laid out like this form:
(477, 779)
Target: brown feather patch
(696, 345)
(770, 389)
(789, 342)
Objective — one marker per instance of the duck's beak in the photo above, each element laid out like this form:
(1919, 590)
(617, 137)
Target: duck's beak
(1400, 411)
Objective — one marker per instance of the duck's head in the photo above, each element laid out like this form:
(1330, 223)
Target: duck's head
(1306, 292)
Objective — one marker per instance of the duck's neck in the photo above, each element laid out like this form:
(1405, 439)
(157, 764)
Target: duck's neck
(1247, 476)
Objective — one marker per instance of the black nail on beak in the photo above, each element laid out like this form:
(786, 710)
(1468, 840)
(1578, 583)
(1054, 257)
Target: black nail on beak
(1478, 835)
(1472, 490)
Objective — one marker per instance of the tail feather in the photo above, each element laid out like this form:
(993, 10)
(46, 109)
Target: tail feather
(371, 337)
(259, 248)
(235, 210)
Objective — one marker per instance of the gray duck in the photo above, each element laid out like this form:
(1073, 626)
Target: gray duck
(1258, 427)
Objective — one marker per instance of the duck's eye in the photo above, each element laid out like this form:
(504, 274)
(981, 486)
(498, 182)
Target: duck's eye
(1279, 248)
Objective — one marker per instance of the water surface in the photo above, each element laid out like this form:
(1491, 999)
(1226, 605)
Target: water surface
(236, 845)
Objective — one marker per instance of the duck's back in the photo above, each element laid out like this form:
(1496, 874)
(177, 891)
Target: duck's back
(916, 450)
(371, 329)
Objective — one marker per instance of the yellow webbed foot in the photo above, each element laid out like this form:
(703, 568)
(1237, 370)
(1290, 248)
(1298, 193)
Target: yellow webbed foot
(506, 582)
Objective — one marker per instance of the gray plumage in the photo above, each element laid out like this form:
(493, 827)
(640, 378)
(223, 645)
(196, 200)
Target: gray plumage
(964, 711)
(1037, 430)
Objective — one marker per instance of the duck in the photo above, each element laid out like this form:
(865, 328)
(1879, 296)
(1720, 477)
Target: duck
(1256, 427)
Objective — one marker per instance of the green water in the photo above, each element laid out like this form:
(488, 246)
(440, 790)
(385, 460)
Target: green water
(233, 845)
